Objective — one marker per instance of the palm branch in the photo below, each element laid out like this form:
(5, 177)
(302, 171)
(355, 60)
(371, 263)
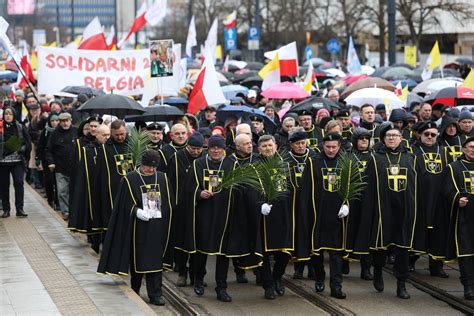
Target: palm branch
(241, 176)
(351, 180)
(137, 143)
(13, 143)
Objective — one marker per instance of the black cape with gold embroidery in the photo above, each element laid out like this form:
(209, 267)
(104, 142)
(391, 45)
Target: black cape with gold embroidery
(206, 220)
(85, 215)
(113, 164)
(430, 167)
(131, 242)
(321, 182)
(302, 231)
(459, 183)
(166, 153)
(314, 137)
(179, 166)
(389, 208)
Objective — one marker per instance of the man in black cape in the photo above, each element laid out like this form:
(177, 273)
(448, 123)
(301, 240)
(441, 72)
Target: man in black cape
(180, 164)
(451, 138)
(138, 233)
(321, 182)
(207, 211)
(297, 159)
(367, 121)
(458, 190)
(179, 138)
(155, 132)
(315, 133)
(430, 166)
(85, 216)
(362, 154)
(392, 186)
(113, 163)
(275, 235)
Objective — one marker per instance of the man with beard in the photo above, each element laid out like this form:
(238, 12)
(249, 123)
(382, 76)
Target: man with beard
(276, 228)
(321, 183)
(85, 216)
(113, 163)
(451, 138)
(180, 164)
(155, 132)
(367, 121)
(207, 210)
(179, 137)
(458, 190)
(362, 154)
(138, 235)
(392, 186)
(430, 166)
(297, 159)
(315, 134)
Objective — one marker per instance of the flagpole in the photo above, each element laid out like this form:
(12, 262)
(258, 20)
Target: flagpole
(32, 88)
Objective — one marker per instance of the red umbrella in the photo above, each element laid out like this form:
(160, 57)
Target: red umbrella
(285, 90)
(452, 96)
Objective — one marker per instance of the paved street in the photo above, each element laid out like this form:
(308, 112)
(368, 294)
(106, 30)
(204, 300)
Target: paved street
(48, 271)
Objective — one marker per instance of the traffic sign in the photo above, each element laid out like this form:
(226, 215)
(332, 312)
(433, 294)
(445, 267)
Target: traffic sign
(230, 38)
(333, 46)
(254, 34)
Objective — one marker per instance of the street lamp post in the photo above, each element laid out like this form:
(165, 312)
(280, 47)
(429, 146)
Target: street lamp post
(392, 35)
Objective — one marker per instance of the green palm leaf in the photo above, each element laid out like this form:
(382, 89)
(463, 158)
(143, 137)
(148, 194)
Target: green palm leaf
(241, 176)
(351, 181)
(137, 143)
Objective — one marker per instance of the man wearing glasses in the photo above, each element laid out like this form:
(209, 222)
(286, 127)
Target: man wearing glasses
(430, 167)
(388, 215)
(458, 193)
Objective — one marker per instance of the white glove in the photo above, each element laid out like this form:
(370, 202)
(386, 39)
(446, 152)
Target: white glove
(143, 215)
(266, 208)
(343, 211)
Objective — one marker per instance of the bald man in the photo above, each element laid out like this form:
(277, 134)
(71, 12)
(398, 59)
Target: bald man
(179, 140)
(241, 129)
(102, 134)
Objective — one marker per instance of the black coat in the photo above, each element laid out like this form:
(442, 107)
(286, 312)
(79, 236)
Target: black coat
(60, 148)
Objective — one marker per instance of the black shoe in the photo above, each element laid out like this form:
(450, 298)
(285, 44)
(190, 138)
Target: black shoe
(402, 291)
(160, 301)
(223, 296)
(365, 274)
(319, 286)
(95, 247)
(199, 287)
(440, 273)
(338, 293)
(270, 293)
(469, 292)
(345, 267)
(21, 213)
(241, 278)
(298, 275)
(378, 281)
(411, 268)
(279, 287)
(6, 214)
(311, 273)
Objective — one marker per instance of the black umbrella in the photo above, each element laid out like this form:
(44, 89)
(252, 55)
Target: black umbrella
(464, 61)
(157, 113)
(254, 65)
(245, 75)
(112, 104)
(90, 92)
(379, 71)
(314, 103)
(252, 81)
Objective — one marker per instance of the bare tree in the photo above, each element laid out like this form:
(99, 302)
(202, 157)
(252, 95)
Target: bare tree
(419, 15)
(376, 12)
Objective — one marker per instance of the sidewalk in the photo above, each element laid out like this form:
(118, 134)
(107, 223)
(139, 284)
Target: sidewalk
(47, 271)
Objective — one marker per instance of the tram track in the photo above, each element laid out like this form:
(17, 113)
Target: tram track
(322, 302)
(440, 294)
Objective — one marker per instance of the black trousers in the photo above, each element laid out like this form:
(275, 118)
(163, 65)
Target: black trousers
(17, 171)
(365, 262)
(466, 269)
(237, 270)
(335, 268)
(269, 275)
(400, 268)
(153, 283)
(49, 182)
(222, 266)
(181, 260)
